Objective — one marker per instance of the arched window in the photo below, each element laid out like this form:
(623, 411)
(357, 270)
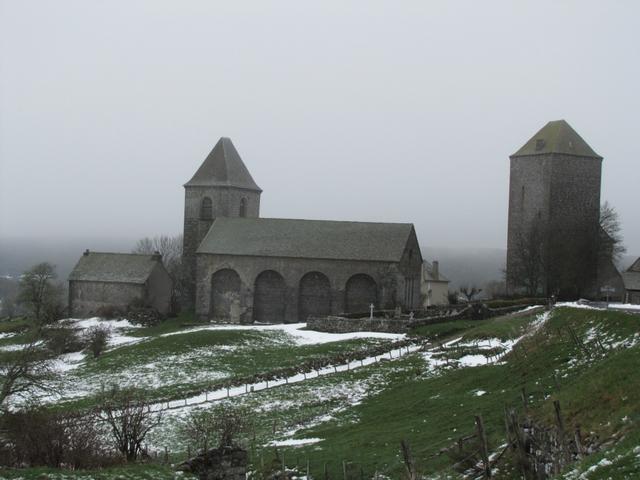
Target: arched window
(206, 209)
(243, 207)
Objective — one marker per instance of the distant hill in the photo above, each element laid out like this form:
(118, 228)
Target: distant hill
(472, 266)
(477, 266)
(468, 266)
(19, 254)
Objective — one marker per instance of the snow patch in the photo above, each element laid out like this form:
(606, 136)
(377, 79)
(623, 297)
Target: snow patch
(295, 330)
(294, 442)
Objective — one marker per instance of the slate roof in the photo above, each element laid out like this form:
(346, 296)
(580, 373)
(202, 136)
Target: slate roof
(631, 280)
(321, 239)
(635, 267)
(223, 167)
(557, 137)
(114, 267)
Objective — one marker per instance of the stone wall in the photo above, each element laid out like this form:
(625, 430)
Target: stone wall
(337, 324)
(390, 279)
(86, 298)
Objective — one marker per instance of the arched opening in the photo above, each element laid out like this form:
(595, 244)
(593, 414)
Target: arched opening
(206, 209)
(243, 207)
(269, 298)
(314, 296)
(225, 296)
(360, 292)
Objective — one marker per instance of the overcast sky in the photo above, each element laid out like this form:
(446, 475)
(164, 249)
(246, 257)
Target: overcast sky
(381, 111)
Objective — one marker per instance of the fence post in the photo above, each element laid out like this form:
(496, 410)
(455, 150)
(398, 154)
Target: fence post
(344, 470)
(482, 437)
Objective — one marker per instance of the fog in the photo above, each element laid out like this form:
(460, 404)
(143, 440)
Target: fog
(373, 111)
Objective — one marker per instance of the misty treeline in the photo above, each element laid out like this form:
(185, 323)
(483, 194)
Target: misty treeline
(170, 248)
(535, 273)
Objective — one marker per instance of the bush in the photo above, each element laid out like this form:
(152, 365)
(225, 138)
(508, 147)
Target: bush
(218, 426)
(62, 340)
(110, 312)
(146, 316)
(96, 339)
(40, 437)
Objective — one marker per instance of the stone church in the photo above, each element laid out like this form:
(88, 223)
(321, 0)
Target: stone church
(243, 268)
(554, 234)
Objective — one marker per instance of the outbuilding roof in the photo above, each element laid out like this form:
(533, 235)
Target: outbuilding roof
(557, 137)
(631, 280)
(114, 267)
(321, 239)
(223, 167)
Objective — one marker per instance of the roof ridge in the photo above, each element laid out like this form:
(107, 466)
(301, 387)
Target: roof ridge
(315, 220)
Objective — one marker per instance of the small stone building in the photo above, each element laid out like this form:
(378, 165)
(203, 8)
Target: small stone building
(631, 279)
(242, 268)
(434, 286)
(115, 280)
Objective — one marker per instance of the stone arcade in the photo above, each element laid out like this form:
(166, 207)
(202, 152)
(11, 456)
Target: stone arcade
(243, 268)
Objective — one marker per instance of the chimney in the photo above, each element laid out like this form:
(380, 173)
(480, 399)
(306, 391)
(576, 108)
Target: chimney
(435, 273)
(86, 252)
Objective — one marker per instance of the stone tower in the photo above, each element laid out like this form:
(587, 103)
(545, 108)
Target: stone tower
(221, 187)
(554, 211)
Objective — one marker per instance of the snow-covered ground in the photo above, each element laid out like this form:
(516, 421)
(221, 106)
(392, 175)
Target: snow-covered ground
(297, 332)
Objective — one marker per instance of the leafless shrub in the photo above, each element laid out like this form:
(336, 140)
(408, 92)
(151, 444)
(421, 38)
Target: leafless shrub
(62, 340)
(128, 417)
(218, 426)
(96, 339)
(40, 437)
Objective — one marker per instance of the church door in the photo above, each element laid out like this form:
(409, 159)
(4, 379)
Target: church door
(360, 292)
(314, 296)
(269, 298)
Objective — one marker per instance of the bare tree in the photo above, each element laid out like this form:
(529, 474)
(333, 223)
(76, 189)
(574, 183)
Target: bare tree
(24, 371)
(171, 250)
(129, 418)
(40, 294)
(610, 233)
(469, 292)
(528, 268)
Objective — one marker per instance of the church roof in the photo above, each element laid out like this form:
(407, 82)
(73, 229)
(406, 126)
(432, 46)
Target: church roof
(557, 137)
(223, 167)
(114, 267)
(321, 239)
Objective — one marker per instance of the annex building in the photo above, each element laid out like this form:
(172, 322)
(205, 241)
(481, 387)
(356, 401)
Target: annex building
(242, 268)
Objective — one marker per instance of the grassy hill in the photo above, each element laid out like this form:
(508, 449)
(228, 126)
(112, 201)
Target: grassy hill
(353, 421)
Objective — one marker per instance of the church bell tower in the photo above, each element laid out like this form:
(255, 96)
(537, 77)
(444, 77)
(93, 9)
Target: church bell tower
(221, 187)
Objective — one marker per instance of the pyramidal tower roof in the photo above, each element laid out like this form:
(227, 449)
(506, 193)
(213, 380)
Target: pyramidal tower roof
(557, 137)
(223, 167)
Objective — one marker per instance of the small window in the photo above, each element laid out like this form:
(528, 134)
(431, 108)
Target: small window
(206, 209)
(243, 207)
(540, 143)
